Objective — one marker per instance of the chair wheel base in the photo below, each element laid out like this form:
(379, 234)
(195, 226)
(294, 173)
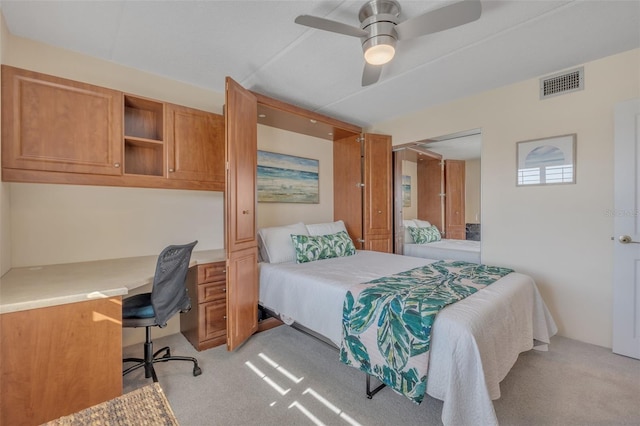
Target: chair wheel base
(150, 358)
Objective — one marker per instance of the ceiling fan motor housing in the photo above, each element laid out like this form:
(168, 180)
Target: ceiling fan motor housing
(379, 18)
(379, 7)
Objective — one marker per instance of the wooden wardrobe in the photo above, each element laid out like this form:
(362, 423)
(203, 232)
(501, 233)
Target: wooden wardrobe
(362, 189)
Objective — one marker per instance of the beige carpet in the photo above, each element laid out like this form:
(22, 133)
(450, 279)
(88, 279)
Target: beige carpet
(284, 377)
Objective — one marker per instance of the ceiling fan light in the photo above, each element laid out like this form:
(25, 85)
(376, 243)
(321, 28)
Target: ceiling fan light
(379, 54)
(379, 50)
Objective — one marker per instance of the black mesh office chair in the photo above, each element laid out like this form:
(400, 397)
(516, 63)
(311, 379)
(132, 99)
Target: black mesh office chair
(168, 296)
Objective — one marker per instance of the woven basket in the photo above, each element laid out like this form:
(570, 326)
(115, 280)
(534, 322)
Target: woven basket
(145, 406)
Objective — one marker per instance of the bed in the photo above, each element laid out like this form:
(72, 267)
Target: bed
(432, 246)
(466, 250)
(474, 343)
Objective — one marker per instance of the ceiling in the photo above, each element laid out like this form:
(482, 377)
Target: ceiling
(465, 146)
(258, 44)
(457, 148)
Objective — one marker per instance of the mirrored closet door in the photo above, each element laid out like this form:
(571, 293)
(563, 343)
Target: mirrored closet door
(437, 180)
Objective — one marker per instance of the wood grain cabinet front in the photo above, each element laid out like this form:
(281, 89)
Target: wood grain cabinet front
(57, 360)
(58, 125)
(362, 171)
(62, 131)
(168, 145)
(205, 325)
(195, 146)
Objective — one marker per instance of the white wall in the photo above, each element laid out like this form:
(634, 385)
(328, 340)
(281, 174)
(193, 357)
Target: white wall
(285, 142)
(68, 223)
(560, 234)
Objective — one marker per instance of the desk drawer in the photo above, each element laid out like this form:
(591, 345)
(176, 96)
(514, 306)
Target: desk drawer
(210, 272)
(212, 291)
(213, 321)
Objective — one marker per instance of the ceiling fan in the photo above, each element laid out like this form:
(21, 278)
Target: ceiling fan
(379, 28)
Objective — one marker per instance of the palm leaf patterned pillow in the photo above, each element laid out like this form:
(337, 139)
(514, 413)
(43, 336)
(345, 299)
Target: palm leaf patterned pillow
(317, 247)
(425, 235)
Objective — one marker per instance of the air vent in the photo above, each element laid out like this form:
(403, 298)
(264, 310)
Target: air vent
(561, 83)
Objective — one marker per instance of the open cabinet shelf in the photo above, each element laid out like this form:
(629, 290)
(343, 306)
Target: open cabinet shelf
(143, 137)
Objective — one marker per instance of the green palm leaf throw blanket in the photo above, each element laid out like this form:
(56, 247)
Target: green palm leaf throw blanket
(387, 322)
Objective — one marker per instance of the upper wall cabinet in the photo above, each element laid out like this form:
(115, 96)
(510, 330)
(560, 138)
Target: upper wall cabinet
(53, 124)
(62, 131)
(195, 141)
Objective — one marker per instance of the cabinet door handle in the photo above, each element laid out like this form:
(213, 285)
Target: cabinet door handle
(224, 289)
(170, 170)
(245, 211)
(116, 165)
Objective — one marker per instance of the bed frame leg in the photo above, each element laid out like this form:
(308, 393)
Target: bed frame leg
(370, 392)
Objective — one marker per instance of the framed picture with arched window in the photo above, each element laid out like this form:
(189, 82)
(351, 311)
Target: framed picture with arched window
(547, 161)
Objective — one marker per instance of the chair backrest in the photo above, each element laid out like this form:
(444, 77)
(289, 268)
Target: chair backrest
(169, 293)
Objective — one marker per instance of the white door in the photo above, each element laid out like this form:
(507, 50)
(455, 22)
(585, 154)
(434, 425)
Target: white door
(626, 275)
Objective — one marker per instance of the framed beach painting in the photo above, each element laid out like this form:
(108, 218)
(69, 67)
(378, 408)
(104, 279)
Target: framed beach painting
(546, 161)
(287, 179)
(406, 191)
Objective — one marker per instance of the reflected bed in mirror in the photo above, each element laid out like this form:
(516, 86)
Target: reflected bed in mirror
(445, 190)
(421, 239)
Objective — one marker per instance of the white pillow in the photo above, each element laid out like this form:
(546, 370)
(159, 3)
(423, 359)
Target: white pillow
(326, 228)
(275, 242)
(408, 239)
(422, 223)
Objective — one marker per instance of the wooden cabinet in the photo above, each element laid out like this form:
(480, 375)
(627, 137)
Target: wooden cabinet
(205, 325)
(435, 178)
(454, 182)
(173, 142)
(430, 188)
(57, 360)
(363, 189)
(240, 203)
(242, 297)
(58, 125)
(62, 131)
(195, 142)
(377, 193)
(347, 186)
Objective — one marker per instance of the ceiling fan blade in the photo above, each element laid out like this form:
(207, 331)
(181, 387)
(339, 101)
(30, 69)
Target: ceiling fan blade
(446, 17)
(370, 74)
(329, 25)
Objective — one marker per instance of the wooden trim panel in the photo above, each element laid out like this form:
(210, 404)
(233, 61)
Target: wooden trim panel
(38, 176)
(289, 117)
(57, 360)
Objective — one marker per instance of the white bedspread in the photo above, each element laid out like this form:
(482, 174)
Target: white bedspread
(475, 342)
(466, 250)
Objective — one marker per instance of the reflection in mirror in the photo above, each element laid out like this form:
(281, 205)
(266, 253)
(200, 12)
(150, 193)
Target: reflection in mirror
(437, 180)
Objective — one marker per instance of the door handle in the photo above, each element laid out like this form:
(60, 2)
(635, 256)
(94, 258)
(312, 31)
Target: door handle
(625, 239)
